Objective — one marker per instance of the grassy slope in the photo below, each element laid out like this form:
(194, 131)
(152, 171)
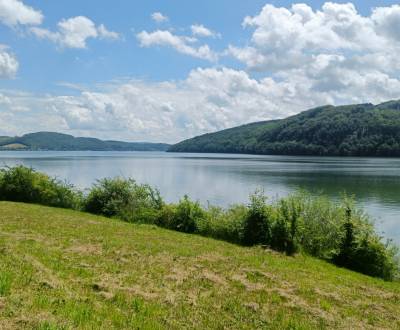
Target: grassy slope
(64, 268)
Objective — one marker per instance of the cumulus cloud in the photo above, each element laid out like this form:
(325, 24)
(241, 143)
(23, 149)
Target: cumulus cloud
(15, 12)
(74, 32)
(333, 55)
(4, 99)
(137, 110)
(387, 22)
(304, 58)
(289, 37)
(179, 43)
(206, 100)
(201, 31)
(8, 63)
(104, 33)
(159, 17)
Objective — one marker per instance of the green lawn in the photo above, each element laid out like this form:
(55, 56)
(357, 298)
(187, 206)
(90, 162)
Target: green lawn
(61, 269)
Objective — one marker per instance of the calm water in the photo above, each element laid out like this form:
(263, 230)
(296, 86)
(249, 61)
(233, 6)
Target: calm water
(225, 179)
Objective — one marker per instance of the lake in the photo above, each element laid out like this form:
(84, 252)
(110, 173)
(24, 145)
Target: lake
(223, 179)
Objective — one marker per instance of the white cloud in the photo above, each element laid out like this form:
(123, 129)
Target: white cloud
(305, 58)
(74, 32)
(159, 17)
(107, 34)
(179, 43)
(14, 13)
(333, 55)
(4, 100)
(201, 31)
(288, 38)
(207, 100)
(387, 22)
(8, 63)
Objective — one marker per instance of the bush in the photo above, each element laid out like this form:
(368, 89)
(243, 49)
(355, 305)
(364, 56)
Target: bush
(184, 216)
(337, 232)
(363, 251)
(321, 225)
(223, 224)
(372, 257)
(23, 184)
(124, 199)
(285, 228)
(257, 224)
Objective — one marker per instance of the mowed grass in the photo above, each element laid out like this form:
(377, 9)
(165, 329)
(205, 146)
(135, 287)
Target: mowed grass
(61, 269)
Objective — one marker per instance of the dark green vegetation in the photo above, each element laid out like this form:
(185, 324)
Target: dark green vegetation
(334, 232)
(58, 141)
(354, 130)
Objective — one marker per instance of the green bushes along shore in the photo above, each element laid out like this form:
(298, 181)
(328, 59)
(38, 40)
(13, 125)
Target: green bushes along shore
(337, 232)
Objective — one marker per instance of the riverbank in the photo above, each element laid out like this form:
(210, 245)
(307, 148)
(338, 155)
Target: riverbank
(336, 232)
(66, 269)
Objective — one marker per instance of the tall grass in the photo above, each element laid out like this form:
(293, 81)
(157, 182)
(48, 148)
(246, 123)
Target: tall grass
(334, 231)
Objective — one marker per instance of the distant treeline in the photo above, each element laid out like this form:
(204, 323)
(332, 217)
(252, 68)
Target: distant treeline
(354, 130)
(337, 232)
(60, 142)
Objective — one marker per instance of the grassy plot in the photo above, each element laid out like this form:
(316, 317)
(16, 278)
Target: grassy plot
(61, 269)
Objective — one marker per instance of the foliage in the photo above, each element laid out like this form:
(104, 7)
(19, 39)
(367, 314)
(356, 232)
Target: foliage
(185, 216)
(124, 199)
(257, 225)
(363, 251)
(334, 231)
(23, 184)
(354, 130)
(227, 225)
(286, 227)
(321, 225)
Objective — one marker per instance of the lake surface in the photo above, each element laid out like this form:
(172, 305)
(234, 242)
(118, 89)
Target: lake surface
(224, 179)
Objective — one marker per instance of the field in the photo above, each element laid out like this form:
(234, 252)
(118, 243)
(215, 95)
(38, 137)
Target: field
(13, 146)
(61, 269)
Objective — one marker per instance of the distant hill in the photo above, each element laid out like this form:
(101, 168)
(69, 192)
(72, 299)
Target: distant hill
(58, 141)
(353, 130)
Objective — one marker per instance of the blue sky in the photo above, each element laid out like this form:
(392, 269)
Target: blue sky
(109, 69)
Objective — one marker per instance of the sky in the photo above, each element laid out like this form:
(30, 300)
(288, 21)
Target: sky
(163, 71)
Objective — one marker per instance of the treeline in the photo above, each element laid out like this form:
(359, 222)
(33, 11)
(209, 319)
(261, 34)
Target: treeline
(354, 130)
(60, 142)
(336, 232)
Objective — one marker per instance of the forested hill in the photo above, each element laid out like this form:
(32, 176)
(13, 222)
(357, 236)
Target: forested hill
(58, 141)
(353, 130)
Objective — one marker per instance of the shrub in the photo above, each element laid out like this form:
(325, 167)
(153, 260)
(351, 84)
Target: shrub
(285, 228)
(23, 184)
(337, 232)
(257, 224)
(362, 250)
(347, 247)
(372, 257)
(187, 215)
(124, 199)
(321, 225)
(223, 224)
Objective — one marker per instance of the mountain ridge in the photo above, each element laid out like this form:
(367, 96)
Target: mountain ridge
(349, 130)
(64, 142)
